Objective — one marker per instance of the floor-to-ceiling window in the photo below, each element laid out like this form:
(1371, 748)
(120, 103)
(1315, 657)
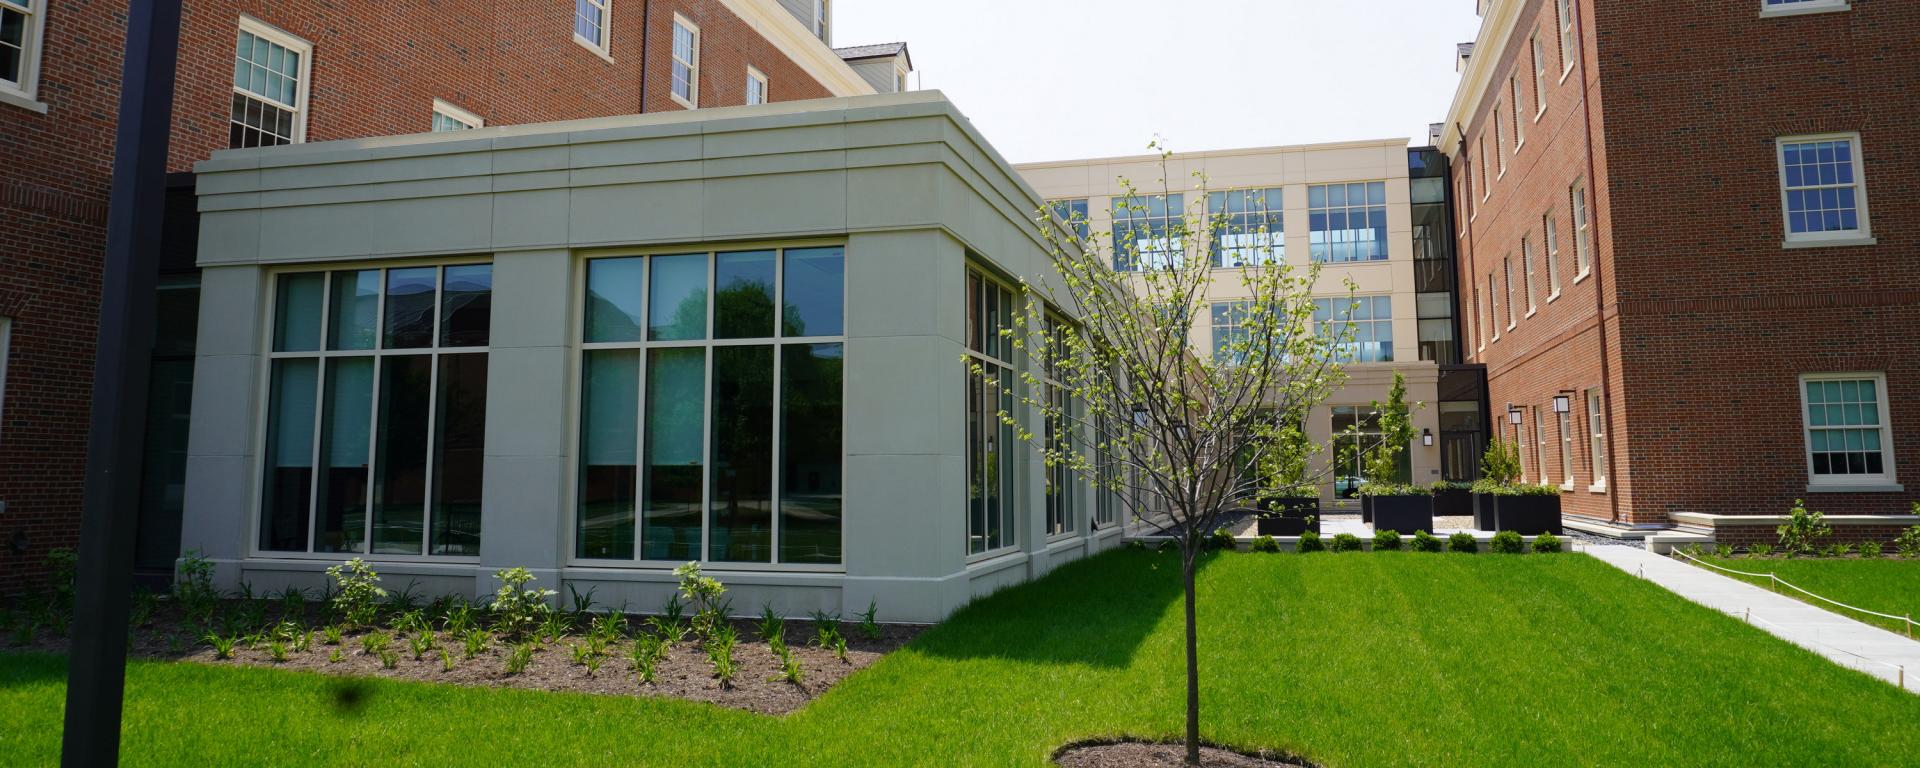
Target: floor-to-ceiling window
(376, 411)
(710, 417)
(990, 440)
(1062, 486)
(1356, 432)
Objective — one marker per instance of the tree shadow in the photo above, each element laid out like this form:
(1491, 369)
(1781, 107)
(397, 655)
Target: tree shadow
(1095, 612)
(21, 669)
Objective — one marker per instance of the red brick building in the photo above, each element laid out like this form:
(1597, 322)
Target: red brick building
(1665, 219)
(254, 72)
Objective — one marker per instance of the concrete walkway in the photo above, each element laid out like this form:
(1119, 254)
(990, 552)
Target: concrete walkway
(1842, 640)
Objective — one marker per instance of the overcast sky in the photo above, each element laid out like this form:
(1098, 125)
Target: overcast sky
(1062, 79)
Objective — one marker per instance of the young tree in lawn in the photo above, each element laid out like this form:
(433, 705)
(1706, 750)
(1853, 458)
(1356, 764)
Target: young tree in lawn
(1176, 437)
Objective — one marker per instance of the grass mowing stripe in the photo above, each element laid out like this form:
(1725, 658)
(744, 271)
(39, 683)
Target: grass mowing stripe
(1885, 585)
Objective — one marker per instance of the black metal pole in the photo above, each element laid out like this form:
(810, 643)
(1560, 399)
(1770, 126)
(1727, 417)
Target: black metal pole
(96, 671)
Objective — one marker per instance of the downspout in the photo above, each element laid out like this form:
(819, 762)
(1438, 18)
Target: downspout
(1599, 294)
(646, 35)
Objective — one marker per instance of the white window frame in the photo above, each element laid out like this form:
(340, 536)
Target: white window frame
(1539, 78)
(603, 46)
(1540, 445)
(1499, 138)
(1582, 209)
(1526, 272)
(1563, 13)
(1802, 7)
(821, 28)
(1597, 439)
(1519, 125)
(1479, 333)
(1486, 180)
(1861, 236)
(1552, 242)
(302, 88)
(6, 351)
(1493, 305)
(24, 92)
(692, 99)
(1565, 422)
(1506, 282)
(448, 110)
(1887, 480)
(756, 78)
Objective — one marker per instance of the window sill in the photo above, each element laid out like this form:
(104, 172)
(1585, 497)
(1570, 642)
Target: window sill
(1855, 488)
(1540, 114)
(1770, 13)
(683, 102)
(1834, 243)
(1551, 297)
(595, 48)
(1567, 486)
(23, 101)
(1565, 72)
(1530, 313)
(1599, 487)
(1582, 276)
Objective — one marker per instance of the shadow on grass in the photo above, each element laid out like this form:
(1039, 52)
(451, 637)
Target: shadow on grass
(30, 668)
(1094, 612)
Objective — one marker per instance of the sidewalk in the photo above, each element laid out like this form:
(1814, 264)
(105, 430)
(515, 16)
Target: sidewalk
(1842, 640)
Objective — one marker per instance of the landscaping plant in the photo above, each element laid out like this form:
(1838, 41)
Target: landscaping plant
(704, 594)
(1166, 427)
(1345, 542)
(1759, 550)
(719, 646)
(332, 634)
(646, 653)
(771, 626)
(1546, 543)
(1425, 542)
(1461, 541)
(1908, 544)
(356, 593)
(516, 608)
(519, 657)
(373, 643)
(475, 642)
(193, 588)
(222, 645)
(1265, 544)
(1723, 551)
(869, 623)
(1870, 550)
(446, 660)
(1802, 528)
(1309, 542)
(1221, 539)
(1386, 541)
(1381, 471)
(1506, 543)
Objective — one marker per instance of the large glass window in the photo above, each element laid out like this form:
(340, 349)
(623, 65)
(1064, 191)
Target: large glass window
(756, 87)
(1347, 222)
(1597, 434)
(269, 87)
(1062, 488)
(990, 441)
(1248, 228)
(1148, 232)
(1848, 436)
(1371, 320)
(1356, 431)
(1073, 211)
(1553, 254)
(1582, 230)
(375, 439)
(1229, 319)
(1823, 192)
(1566, 448)
(448, 118)
(721, 446)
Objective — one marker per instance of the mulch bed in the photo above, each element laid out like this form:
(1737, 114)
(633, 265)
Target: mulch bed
(1143, 754)
(683, 674)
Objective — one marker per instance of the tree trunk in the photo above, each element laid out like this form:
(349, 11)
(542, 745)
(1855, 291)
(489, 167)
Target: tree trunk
(1193, 672)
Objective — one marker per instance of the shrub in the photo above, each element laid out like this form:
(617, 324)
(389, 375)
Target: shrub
(194, 588)
(1505, 543)
(420, 643)
(475, 642)
(1345, 542)
(389, 659)
(646, 653)
(222, 645)
(515, 607)
(1870, 549)
(446, 660)
(357, 592)
(719, 647)
(1310, 542)
(1909, 542)
(1801, 529)
(519, 657)
(703, 593)
(1265, 544)
(1546, 543)
(1425, 542)
(1221, 538)
(869, 623)
(1499, 466)
(373, 643)
(1759, 550)
(1461, 541)
(1723, 551)
(1386, 541)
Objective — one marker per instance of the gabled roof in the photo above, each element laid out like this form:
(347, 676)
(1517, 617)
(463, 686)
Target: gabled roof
(858, 52)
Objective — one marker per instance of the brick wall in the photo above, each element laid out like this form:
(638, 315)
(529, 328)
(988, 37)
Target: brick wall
(376, 69)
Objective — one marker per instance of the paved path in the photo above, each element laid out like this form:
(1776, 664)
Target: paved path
(1842, 640)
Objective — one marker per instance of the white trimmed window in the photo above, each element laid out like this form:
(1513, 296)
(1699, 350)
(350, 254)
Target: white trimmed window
(1486, 179)
(756, 87)
(1566, 449)
(21, 24)
(1539, 77)
(1795, 7)
(1500, 138)
(1479, 333)
(1849, 438)
(1526, 268)
(1553, 256)
(1519, 125)
(447, 117)
(590, 19)
(1823, 191)
(1540, 446)
(822, 26)
(686, 62)
(1582, 230)
(1563, 13)
(1506, 280)
(1597, 447)
(6, 335)
(1493, 306)
(270, 70)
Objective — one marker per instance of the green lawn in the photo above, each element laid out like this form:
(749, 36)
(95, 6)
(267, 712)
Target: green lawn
(1356, 659)
(1887, 585)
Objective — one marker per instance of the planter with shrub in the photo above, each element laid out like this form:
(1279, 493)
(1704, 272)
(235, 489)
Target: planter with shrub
(1392, 503)
(1451, 499)
(1288, 516)
(1500, 503)
(1290, 503)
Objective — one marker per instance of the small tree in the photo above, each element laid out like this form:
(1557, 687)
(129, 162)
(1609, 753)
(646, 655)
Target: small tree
(1499, 466)
(1169, 433)
(1395, 419)
(1802, 529)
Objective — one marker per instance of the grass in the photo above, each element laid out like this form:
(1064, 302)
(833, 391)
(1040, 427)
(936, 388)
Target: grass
(1349, 659)
(1887, 584)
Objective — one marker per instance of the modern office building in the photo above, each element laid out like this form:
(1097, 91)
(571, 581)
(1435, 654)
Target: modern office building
(1666, 232)
(600, 349)
(1374, 213)
(262, 75)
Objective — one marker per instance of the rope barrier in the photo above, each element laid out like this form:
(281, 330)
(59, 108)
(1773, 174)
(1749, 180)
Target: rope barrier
(1900, 671)
(1776, 581)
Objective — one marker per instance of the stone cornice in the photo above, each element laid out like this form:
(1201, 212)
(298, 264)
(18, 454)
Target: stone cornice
(1495, 28)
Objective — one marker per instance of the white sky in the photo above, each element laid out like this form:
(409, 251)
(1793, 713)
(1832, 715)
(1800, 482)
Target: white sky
(1063, 79)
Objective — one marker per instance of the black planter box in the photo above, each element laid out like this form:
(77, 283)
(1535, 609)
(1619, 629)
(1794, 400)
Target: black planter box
(1402, 514)
(1484, 518)
(1289, 516)
(1527, 515)
(1366, 509)
(1452, 502)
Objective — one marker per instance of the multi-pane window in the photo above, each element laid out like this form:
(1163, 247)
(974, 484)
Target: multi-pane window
(1526, 279)
(376, 415)
(1566, 448)
(990, 440)
(1540, 446)
(1229, 330)
(1539, 76)
(1783, 7)
(821, 20)
(1062, 506)
(1479, 331)
(1500, 138)
(1563, 13)
(1597, 432)
(20, 27)
(269, 87)
(1519, 124)
(1493, 307)
(1823, 193)
(1247, 227)
(710, 410)
(1356, 433)
(1347, 222)
(1848, 435)
(1582, 230)
(447, 117)
(1371, 320)
(1486, 179)
(1148, 232)
(590, 22)
(686, 62)
(1073, 211)
(1506, 281)
(1553, 254)
(756, 87)
(1106, 510)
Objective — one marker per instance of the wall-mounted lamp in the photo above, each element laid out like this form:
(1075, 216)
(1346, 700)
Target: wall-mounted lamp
(1562, 403)
(1513, 413)
(1426, 437)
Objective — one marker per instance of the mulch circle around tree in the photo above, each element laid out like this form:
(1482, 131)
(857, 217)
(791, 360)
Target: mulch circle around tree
(1153, 754)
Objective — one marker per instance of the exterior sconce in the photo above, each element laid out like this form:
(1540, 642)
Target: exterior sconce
(1562, 403)
(1426, 437)
(1513, 413)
